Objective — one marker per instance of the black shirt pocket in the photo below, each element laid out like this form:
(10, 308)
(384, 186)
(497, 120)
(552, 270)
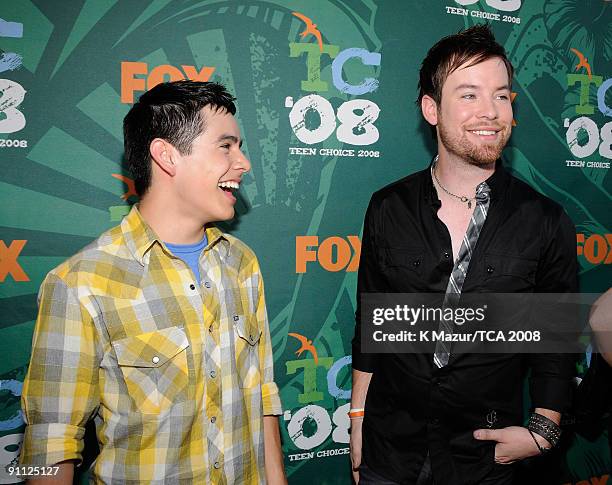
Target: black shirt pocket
(403, 268)
(504, 273)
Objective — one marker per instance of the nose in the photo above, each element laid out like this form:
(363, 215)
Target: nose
(242, 162)
(487, 108)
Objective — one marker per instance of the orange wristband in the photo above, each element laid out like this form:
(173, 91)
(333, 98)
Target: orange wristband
(358, 413)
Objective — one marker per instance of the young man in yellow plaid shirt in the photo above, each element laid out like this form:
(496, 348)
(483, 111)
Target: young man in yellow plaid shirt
(158, 329)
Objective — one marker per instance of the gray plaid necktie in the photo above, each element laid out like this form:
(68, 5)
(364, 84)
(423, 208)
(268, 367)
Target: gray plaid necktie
(457, 277)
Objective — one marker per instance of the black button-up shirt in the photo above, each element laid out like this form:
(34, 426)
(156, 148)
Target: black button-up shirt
(527, 244)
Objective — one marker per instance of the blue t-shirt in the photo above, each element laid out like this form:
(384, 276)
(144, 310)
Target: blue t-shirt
(190, 253)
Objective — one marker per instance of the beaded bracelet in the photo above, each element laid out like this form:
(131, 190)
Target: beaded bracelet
(546, 428)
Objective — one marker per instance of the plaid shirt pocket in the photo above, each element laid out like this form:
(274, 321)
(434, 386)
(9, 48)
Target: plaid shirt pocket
(247, 336)
(154, 367)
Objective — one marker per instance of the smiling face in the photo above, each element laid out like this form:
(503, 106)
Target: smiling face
(206, 178)
(474, 117)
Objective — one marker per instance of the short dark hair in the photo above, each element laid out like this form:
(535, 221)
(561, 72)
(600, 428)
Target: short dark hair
(474, 45)
(171, 111)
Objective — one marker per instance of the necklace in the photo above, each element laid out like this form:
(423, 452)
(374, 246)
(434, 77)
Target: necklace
(462, 198)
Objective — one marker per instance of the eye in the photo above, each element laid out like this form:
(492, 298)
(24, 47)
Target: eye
(469, 96)
(504, 97)
(226, 146)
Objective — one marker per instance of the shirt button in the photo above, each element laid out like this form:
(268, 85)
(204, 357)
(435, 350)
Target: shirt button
(213, 374)
(490, 269)
(207, 284)
(217, 465)
(192, 286)
(446, 255)
(155, 359)
(416, 263)
(213, 419)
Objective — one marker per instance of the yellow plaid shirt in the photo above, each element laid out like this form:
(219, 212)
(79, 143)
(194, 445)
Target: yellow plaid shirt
(176, 375)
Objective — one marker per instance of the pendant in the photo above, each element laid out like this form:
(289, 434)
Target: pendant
(469, 204)
(491, 418)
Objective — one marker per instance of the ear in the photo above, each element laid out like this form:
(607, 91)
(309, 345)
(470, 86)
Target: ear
(429, 108)
(161, 154)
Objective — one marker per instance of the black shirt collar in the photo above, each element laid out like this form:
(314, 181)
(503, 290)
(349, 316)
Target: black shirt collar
(497, 182)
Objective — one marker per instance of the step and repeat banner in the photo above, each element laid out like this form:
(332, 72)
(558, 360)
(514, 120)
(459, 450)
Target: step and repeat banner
(326, 92)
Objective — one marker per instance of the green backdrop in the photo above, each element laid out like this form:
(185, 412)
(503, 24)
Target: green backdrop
(325, 124)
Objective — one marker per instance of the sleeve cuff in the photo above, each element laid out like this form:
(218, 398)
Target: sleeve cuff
(48, 444)
(363, 362)
(553, 394)
(271, 399)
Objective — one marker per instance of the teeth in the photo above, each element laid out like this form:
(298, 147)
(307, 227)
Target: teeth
(484, 132)
(229, 185)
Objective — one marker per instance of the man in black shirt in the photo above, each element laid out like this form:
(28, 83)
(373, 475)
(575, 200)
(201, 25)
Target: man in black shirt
(463, 225)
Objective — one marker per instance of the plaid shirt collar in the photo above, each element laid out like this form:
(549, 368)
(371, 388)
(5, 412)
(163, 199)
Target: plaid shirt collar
(140, 237)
